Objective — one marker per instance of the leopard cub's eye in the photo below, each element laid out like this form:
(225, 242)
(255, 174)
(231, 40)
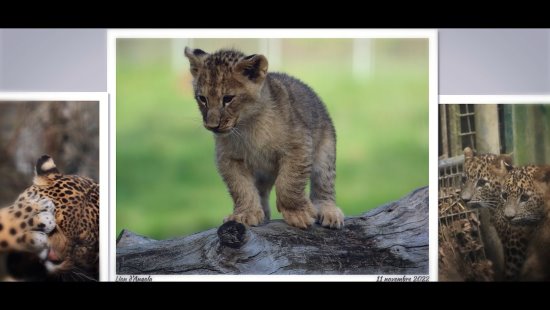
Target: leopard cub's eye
(524, 198)
(504, 195)
(481, 182)
(227, 99)
(464, 179)
(202, 100)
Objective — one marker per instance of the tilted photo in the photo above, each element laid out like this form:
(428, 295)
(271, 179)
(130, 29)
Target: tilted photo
(49, 197)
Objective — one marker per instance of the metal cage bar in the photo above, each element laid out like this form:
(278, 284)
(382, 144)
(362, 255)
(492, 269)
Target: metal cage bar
(458, 225)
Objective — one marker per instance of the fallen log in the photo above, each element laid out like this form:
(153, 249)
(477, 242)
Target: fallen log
(391, 239)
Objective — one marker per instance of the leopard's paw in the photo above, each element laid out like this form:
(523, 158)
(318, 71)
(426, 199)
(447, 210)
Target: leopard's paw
(44, 218)
(25, 225)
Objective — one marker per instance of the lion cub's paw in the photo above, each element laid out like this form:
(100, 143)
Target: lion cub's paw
(249, 217)
(301, 218)
(331, 216)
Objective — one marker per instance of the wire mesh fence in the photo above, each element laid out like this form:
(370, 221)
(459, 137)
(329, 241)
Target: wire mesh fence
(461, 248)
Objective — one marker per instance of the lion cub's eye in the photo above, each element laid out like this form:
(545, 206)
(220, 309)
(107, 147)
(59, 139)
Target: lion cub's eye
(524, 198)
(481, 182)
(504, 195)
(227, 99)
(203, 100)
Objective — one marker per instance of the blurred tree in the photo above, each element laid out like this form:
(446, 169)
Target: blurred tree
(67, 131)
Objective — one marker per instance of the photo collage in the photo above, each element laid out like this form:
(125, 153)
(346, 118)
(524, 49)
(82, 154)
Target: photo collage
(270, 155)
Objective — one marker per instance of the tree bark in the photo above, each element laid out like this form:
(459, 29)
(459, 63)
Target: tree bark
(391, 239)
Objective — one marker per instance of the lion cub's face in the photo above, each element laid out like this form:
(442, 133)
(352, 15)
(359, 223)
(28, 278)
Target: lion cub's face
(227, 86)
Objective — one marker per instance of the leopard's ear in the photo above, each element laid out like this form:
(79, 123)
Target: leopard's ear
(196, 58)
(253, 68)
(468, 153)
(543, 174)
(45, 166)
(501, 166)
(505, 161)
(542, 180)
(45, 170)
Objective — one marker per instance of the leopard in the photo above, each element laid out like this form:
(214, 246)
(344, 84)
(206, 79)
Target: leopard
(482, 179)
(526, 204)
(480, 184)
(270, 130)
(73, 243)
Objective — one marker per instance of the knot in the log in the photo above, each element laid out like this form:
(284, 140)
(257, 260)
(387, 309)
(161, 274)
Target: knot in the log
(233, 234)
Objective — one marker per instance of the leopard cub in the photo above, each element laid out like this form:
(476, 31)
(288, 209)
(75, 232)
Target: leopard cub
(526, 204)
(270, 129)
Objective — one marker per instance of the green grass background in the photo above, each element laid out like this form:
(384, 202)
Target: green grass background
(167, 183)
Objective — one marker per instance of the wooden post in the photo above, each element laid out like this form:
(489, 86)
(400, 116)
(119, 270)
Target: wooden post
(363, 56)
(455, 142)
(178, 59)
(443, 132)
(531, 134)
(542, 133)
(272, 49)
(487, 133)
(507, 133)
(524, 135)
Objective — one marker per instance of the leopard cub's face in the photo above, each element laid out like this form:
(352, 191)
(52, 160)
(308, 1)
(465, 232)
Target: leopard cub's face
(227, 85)
(525, 193)
(482, 178)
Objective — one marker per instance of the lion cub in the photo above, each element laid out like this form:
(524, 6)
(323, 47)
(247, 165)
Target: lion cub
(269, 129)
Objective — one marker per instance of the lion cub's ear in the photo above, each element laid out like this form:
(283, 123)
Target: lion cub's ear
(196, 58)
(253, 68)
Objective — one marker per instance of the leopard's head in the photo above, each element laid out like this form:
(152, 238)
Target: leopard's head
(73, 252)
(525, 194)
(70, 260)
(227, 86)
(482, 178)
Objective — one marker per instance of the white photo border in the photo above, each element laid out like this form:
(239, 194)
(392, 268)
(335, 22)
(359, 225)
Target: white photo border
(102, 99)
(430, 34)
(494, 99)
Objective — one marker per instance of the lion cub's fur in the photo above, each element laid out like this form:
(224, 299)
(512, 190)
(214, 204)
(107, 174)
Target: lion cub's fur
(270, 129)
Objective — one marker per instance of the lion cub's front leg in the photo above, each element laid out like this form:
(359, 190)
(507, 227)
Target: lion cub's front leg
(241, 185)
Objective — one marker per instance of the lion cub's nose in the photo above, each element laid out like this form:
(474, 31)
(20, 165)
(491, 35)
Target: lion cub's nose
(213, 127)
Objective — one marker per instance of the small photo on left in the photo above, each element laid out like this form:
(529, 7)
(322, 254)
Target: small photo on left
(49, 197)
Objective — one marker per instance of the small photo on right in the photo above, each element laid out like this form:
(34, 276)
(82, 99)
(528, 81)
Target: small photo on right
(494, 188)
